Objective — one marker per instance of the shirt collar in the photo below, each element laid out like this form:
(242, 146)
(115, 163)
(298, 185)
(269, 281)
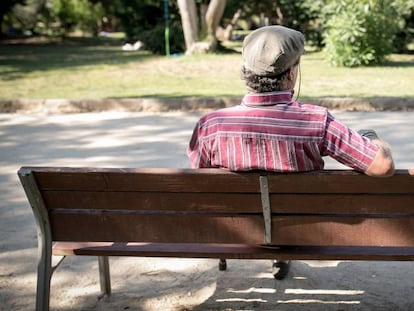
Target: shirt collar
(267, 99)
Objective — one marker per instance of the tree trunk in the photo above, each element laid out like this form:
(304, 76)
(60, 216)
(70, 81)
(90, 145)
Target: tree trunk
(1, 25)
(225, 34)
(189, 21)
(203, 24)
(213, 16)
(191, 30)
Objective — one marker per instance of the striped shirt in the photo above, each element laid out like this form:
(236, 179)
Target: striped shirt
(271, 132)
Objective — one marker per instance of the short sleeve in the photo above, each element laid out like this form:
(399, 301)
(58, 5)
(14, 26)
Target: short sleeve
(196, 151)
(348, 147)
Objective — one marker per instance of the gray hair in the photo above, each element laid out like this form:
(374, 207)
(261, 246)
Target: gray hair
(263, 84)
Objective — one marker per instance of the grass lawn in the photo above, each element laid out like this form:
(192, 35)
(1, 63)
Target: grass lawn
(100, 69)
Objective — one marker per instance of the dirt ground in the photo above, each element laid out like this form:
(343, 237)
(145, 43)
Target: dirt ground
(158, 140)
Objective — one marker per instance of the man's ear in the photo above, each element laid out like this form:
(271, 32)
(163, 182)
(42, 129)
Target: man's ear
(291, 75)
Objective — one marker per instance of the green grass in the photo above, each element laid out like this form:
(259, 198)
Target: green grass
(100, 69)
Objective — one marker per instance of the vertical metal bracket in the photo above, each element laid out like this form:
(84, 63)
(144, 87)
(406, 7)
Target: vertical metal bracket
(267, 213)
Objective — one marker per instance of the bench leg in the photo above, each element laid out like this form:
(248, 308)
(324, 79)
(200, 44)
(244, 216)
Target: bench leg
(222, 264)
(280, 269)
(44, 274)
(104, 275)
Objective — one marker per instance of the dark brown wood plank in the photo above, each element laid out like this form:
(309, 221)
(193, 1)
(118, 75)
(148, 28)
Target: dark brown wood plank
(157, 228)
(343, 203)
(232, 202)
(340, 181)
(147, 201)
(289, 230)
(343, 231)
(168, 180)
(211, 180)
(233, 251)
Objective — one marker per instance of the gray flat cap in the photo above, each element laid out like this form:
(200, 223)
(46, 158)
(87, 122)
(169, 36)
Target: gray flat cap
(271, 50)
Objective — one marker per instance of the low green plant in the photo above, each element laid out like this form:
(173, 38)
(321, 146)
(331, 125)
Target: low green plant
(362, 32)
(144, 20)
(60, 17)
(154, 39)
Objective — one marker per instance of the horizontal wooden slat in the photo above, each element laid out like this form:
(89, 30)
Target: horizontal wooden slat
(342, 203)
(340, 182)
(233, 251)
(157, 228)
(343, 231)
(207, 202)
(232, 202)
(211, 180)
(190, 228)
(168, 180)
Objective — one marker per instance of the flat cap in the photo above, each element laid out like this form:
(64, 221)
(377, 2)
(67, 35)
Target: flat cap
(271, 50)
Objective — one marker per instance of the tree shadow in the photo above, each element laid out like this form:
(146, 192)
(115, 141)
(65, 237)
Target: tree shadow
(399, 63)
(25, 58)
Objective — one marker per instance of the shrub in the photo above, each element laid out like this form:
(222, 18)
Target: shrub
(154, 39)
(60, 17)
(361, 32)
(143, 20)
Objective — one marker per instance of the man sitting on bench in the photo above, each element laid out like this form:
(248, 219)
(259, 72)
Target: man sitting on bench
(271, 131)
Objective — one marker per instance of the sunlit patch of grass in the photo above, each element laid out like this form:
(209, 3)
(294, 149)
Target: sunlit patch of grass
(99, 70)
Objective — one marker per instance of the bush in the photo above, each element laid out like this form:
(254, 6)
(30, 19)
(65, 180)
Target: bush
(60, 17)
(143, 20)
(154, 39)
(362, 32)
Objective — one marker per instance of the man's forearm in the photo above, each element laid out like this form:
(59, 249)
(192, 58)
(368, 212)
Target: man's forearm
(383, 164)
(384, 146)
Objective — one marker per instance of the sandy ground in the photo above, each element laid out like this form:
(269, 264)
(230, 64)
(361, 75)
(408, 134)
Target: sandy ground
(159, 140)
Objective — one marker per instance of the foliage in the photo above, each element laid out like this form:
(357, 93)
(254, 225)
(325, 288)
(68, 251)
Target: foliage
(361, 32)
(406, 34)
(5, 7)
(154, 39)
(355, 32)
(144, 21)
(300, 15)
(59, 17)
(136, 16)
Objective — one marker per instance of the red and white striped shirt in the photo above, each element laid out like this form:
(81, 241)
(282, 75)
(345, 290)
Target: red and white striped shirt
(271, 132)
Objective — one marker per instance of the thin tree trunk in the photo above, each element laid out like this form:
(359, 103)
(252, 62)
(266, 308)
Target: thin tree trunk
(189, 21)
(226, 33)
(1, 24)
(203, 24)
(213, 16)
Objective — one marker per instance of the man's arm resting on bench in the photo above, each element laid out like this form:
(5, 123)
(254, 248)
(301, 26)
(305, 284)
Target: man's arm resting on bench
(383, 164)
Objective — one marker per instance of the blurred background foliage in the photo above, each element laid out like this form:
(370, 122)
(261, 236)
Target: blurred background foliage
(350, 32)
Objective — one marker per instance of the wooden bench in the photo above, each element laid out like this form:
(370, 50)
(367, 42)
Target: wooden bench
(213, 213)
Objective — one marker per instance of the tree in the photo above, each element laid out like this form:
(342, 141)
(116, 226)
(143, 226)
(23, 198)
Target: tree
(144, 20)
(60, 17)
(210, 19)
(5, 7)
(300, 15)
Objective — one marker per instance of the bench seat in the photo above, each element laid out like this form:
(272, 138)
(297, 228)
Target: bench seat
(234, 251)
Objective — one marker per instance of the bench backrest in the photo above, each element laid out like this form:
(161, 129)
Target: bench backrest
(217, 206)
